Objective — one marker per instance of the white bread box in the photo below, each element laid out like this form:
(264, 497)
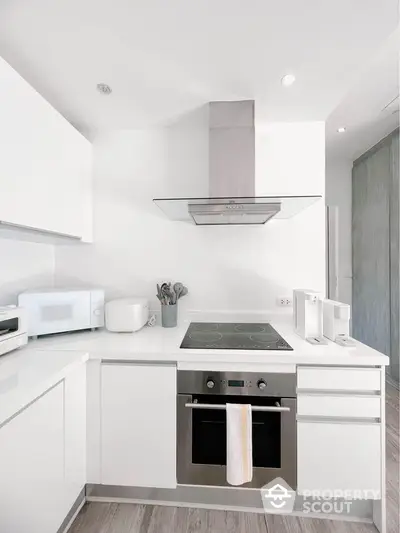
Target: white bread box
(126, 314)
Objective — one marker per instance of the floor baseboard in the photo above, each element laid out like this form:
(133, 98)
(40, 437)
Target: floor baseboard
(214, 498)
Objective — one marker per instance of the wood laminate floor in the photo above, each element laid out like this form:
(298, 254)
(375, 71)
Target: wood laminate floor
(131, 518)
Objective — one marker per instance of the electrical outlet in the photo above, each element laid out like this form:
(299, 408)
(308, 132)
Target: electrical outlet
(285, 301)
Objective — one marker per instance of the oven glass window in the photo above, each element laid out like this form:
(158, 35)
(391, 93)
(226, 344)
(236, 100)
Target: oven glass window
(8, 326)
(209, 432)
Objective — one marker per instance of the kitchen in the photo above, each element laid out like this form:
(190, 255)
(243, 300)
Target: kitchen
(234, 275)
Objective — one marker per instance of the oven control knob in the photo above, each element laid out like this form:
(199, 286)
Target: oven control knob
(210, 384)
(261, 384)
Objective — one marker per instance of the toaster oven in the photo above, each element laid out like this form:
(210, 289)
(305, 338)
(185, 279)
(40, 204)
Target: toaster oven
(13, 331)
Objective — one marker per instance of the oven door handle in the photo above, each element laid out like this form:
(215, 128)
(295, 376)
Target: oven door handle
(222, 407)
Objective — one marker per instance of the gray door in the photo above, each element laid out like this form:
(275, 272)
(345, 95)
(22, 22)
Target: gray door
(371, 274)
(394, 260)
(376, 231)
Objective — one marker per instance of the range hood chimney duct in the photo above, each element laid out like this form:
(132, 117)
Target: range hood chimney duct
(232, 150)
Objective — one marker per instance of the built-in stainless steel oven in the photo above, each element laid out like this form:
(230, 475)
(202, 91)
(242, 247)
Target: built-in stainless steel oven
(201, 450)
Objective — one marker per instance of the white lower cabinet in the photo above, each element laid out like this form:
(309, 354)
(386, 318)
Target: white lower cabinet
(75, 435)
(336, 455)
(138, 425)
(32, 467)
(43, 459)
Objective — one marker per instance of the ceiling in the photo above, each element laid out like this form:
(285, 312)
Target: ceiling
(163, 58)
(370, 110)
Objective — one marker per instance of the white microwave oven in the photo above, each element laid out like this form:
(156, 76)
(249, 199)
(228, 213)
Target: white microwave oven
(13, 333)
(62, 310)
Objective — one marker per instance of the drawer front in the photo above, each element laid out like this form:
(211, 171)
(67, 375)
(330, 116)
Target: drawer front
(345, 379)
(339, 406)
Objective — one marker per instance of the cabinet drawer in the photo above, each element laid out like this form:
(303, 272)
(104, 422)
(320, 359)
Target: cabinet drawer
(346, 379)
(339, 406)
(335, 456)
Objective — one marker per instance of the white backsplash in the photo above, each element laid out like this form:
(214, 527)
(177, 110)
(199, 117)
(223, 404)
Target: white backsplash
(24, 265)
(232, 268)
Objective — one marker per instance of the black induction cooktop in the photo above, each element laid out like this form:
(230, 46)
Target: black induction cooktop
(225, 336)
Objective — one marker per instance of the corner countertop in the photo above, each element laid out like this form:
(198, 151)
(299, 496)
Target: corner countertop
(26, 374)
(29, 372)
(161, 344)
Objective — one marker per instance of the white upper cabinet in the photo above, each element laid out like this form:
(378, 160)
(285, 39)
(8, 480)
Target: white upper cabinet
(45, 163)
(138, 425)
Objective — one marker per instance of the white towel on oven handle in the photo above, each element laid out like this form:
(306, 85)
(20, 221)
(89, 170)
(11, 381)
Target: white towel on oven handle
(239, 444)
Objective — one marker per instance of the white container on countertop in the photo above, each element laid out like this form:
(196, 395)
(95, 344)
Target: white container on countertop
(336, 320)
(126, 315)
(307, 313)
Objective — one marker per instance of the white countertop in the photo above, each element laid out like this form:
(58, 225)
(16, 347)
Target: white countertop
(27, 373)
(163, 344)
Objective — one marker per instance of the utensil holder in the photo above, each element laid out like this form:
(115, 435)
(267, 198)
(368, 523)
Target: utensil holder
(169, 316)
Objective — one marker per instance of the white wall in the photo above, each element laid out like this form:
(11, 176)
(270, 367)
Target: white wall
(135, 245)
(24, 265)
(338, 193)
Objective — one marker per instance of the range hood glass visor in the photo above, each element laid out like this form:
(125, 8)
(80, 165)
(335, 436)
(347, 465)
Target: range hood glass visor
(222, 210)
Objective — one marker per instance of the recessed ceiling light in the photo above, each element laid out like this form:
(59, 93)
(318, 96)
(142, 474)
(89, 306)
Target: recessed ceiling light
(288, 80)
(341, 130)
(103, 88)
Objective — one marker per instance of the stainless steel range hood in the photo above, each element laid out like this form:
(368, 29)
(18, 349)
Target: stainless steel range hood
(232, 213)
(232, 196)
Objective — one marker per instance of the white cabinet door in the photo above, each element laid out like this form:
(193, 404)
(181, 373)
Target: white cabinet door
(75, 435)
(138, 425)
(45, 164)
(32, 467)
(339, 456)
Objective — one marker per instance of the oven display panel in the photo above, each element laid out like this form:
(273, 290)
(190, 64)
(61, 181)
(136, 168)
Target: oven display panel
(235, 383)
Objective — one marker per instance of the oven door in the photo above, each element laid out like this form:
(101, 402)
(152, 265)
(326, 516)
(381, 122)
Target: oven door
(201, 450)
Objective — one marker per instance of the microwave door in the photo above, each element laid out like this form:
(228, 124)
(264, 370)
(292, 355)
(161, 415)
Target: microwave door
(56, 313)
